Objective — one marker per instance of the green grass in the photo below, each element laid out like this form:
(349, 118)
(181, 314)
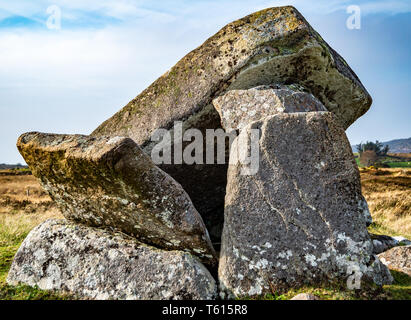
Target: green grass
(389, 161)
(399, 164)
(326, 293)
(399, 290)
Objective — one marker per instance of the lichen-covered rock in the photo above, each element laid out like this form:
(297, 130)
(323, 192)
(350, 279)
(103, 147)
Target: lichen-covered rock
(383, 243)
(111, 182)
(276, 45)
(270, 46)
(238, 108)
(300, 219)
(398, 258)
(96, 264)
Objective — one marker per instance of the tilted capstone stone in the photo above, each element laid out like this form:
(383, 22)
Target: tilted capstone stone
(301, 219)
(111, 182)
(276, 45)
(91, 263)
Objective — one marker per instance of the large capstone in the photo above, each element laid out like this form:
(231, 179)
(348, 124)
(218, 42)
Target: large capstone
(97, 264)
(276, 45)
(111, 182)
(300, 219)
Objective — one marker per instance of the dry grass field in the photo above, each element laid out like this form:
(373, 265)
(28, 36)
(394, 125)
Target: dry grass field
(388, 193)
(24, 205)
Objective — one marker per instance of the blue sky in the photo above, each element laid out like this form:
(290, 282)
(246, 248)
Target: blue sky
(108, 51)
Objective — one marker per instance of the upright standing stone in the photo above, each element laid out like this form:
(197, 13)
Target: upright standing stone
(111, 182)
(238, 108)
(300, 219)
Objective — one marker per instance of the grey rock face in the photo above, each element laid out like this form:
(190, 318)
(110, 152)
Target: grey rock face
(270, 46)
(398, 258)
(300, 219)
(96, 264)
(366, 212)
(276, 45)
(238, 108)
(383, 243)
(111, 182)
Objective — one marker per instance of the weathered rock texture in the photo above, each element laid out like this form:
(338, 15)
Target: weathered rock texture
(238, 108)
(276, 45)
(96, 264)
(383, 243)
(398, 258)
(111, 182)
(301, 219)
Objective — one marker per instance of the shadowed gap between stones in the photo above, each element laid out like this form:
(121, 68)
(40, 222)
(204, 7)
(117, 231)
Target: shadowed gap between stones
(204, 183)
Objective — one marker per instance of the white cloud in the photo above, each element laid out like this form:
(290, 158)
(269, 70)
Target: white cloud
(75, 9)
(387, 7)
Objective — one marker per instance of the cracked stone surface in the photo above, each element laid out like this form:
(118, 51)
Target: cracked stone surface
(276, 45)
(398, 258)
(237, 108)
(301, 218)
(111, 182)
(97, 264)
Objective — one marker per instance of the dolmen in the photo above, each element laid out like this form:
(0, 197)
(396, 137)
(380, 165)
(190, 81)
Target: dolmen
(278, 206)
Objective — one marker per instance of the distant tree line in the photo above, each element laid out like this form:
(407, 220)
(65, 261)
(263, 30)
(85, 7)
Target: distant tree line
(379, 149)
(371, 152)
